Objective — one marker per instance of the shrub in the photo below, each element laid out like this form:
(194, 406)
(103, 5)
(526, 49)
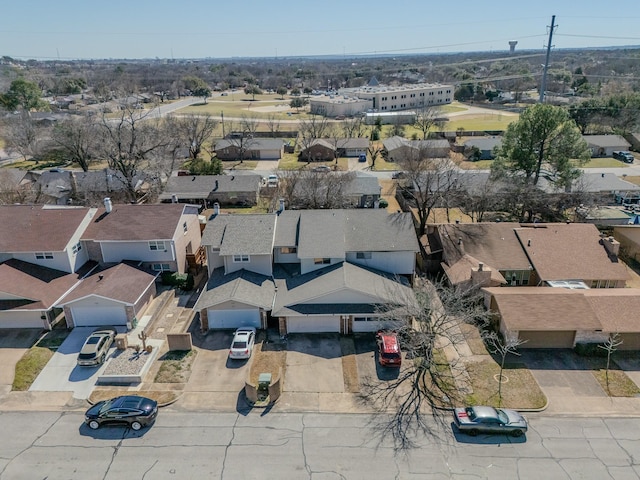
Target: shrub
(180, 280)
(590, 350)
(383, 203)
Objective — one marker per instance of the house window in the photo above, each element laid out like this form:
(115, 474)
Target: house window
(321, 261)
(76, 248)
(288, 250)
(156, 245)
(363, 255)
(244, 258)
(44, 255)
(365, 319)
(185, 228)
(161, 267)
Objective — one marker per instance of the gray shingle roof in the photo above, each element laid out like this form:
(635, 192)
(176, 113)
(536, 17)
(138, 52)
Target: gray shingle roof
(251, 234)
(296, 294)
(592, 183)
(287, 229)
(484, 143)
(200, 186)
(253, 143)
(331, 233)
(241, 286)
(606, 141)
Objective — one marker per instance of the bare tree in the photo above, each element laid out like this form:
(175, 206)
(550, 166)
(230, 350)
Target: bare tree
(501, 346)
(25, 135)
(77, 139)
(354, 127)
(426, 118)
(193, 131)
(428, 324)
(243, 139)
(428, 181)
(273, 123)
(312, 129)
(610, 346)
(133, 143)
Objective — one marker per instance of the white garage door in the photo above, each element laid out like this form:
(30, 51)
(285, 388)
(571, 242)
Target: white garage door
(372, 324)
(231, 319)
(98, 316)
(313, 324)
(21, 320)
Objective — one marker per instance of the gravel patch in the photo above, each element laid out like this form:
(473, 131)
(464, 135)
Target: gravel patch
(126, 362)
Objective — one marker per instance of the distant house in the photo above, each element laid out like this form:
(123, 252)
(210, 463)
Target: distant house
(634, 140)
(249, 149)
(604, 145)
(206, 190)
(484, 145)
(360, 191)
(320, 150)
(399, 148)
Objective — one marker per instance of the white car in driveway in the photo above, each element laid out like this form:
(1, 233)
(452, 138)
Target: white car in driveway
(242, 343)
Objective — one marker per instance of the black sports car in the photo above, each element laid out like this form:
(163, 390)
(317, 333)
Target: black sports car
(131, 410)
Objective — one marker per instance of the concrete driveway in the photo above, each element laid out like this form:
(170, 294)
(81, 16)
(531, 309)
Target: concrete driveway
(367, 360)
(13, 345)
(563, 376)
(314, 364)
(212, 370)
(61, 374)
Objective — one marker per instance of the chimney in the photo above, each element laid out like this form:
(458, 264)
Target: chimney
(481, 277)
(281, 209)
(216, 208)
(612, 246)
(107, 204)
(174, 198)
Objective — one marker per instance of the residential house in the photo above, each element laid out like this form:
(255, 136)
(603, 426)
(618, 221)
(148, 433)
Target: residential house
(326, 149)
(162, 237)
(249, 148)
(485, 147)
(114, 296)
(398, 148)
(526, 254)
(629, 238)
(604, 145)
(548, 317)
(634, 140)
(307, 271)
(206, 190)
(337, 189)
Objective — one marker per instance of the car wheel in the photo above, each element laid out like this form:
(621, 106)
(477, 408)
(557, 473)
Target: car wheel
(136, 426)
(94, 425)
(473, 432)
(517, 433)
(102, 358)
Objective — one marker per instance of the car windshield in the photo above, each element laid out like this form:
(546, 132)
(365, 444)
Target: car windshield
(390, 355)
(239, 344)
(502, 416)
(106, 406)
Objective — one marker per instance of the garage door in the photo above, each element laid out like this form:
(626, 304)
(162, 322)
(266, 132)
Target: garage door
(21, 320)
(630, 341)
(535, 339)
(372, 324)
(312, 324)
(97, 316)
(231, 319)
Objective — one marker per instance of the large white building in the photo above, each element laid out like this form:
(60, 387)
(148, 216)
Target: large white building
(376, 98)
(386, 98)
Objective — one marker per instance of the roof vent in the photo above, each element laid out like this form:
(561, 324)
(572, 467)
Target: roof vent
(100, 277)
(108, 206)
(529, 243)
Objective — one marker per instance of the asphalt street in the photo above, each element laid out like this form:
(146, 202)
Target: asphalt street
(260, 444)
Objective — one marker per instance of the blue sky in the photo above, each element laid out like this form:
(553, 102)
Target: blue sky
(70, 29)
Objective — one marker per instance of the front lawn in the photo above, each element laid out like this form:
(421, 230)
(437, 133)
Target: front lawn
(34, 360)
(175, 366)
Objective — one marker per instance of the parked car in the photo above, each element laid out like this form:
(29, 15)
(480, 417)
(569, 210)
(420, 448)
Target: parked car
(362, 157)
(242, 343)
(131, 410)
(95, 348)
(389, 354)
(322, 168)
(479, 419)
(626, 157)
(272, 180)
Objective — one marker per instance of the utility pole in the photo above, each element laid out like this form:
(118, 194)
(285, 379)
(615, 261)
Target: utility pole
(543, 85)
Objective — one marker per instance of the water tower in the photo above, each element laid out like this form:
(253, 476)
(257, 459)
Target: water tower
(512, 46)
